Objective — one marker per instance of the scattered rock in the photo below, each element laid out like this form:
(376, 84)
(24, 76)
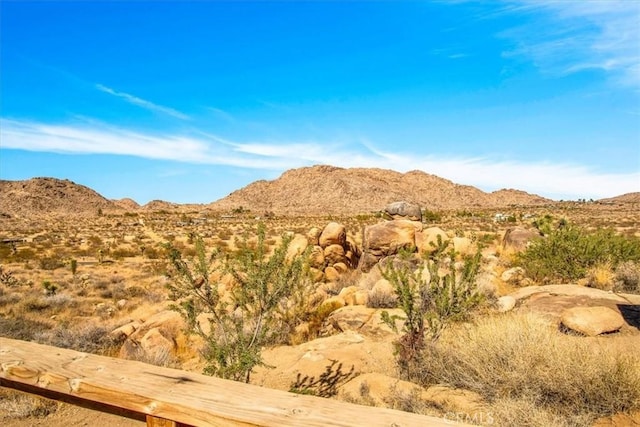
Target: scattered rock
(592, 321)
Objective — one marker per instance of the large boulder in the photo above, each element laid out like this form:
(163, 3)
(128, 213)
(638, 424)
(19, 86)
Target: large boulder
(592, 321)
(427, 239)
(404, 210)
(387, 238)
(334, 254)
(333, 234)
(518, 238)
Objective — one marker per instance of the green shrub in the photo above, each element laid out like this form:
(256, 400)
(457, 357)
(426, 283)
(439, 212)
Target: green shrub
(250, 315)
(430, 302)
(566, 253)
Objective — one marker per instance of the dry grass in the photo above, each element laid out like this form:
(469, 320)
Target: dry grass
(17, 405)
(601, 276)
(532, 375)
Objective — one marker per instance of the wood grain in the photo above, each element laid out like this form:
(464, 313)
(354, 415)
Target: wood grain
(139, 390)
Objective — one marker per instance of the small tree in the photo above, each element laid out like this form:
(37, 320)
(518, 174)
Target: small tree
(249, 316)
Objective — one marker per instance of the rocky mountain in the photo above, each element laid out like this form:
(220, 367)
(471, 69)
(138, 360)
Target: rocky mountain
(50, 195)
(320, 190)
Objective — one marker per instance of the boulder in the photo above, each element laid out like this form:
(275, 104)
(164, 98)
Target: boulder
(388, 238)
(427, 239)
(334, 254)
(518, 238)
(316, 257)
(155, 344)
(592, 321)
(331, 274)
(125, 331)
(404, 210)
(333, 234)
(313, 236)
(463, 246)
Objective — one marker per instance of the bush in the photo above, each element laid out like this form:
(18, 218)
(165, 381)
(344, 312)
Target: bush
(430, 302)
(522, 362)
(566, 253)
(248, 316)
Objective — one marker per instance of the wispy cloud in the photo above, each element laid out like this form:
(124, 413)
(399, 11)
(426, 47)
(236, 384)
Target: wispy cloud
(148, 105)
(564, 37)
(549, 179)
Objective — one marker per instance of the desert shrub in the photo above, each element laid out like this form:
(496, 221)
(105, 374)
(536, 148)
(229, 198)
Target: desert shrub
(566, 253)
(121, 253)
(51, 262)
(381, 299)
(36, 303)
(250, 314)
(22, 329)
(628, 277)
(87, 338)
(429, 216)
(518, 362)
(25, 254)
(430, 302)
(7, 278)
(17, 405)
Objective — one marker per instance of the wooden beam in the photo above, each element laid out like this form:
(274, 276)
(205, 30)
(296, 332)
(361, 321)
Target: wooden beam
(138, 390)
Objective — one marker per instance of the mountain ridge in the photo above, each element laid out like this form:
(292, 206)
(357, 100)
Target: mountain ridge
(313, 190)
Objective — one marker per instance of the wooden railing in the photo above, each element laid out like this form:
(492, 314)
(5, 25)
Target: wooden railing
(170, 397)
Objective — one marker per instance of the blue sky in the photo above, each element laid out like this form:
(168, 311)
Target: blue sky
(188, 101)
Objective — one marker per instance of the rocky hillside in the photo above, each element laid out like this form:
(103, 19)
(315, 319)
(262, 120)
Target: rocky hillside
(624, 198)
(50, 195)
(320, 190)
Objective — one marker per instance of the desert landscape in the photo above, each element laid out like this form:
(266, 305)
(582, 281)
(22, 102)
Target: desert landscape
(370, 286)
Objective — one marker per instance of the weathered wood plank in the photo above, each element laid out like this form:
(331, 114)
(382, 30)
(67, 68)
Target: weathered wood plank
(105, 383)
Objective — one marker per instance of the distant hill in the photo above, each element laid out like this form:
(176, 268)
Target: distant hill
(127, 204)
(624, 198)
(320, 190)
(37, 196)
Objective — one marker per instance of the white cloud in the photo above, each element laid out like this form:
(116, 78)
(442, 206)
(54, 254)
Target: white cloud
(564, 37)
(547, 179)
(143, 103)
